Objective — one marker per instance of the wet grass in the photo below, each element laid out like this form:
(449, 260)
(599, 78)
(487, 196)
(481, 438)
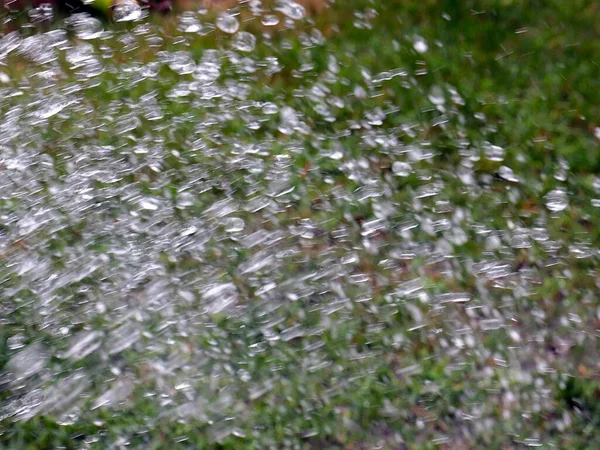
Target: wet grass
(400, 280)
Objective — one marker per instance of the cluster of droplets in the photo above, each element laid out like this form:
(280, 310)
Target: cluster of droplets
(198, 237)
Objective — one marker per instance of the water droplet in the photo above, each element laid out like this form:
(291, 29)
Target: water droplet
(15, 342)
(122, 338)
(508, 174)
(127, 11)
(270, 20)
(62, 395)
(244, 41)
(233, 224)
(556, 200)
(493, 152)
(83, 345)
(9, 43)
(428, 190)
(149, 204)
(454, 297)
(118, 392)
(520, 240)
(491, 324)
(188, 23)
(227, 23)
(270, 108)
(52, 106)
(185, 200)
(182, 63)
(219, 297)
(401, 169)
(85, 26)
(28, 361)
(290, 9)
(420, 45)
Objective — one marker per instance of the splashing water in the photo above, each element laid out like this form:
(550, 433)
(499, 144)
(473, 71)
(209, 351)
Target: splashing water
(214, 234)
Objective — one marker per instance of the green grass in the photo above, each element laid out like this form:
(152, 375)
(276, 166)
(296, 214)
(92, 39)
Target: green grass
(335, 336)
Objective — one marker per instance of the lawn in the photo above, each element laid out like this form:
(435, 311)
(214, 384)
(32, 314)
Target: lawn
(372, 226)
